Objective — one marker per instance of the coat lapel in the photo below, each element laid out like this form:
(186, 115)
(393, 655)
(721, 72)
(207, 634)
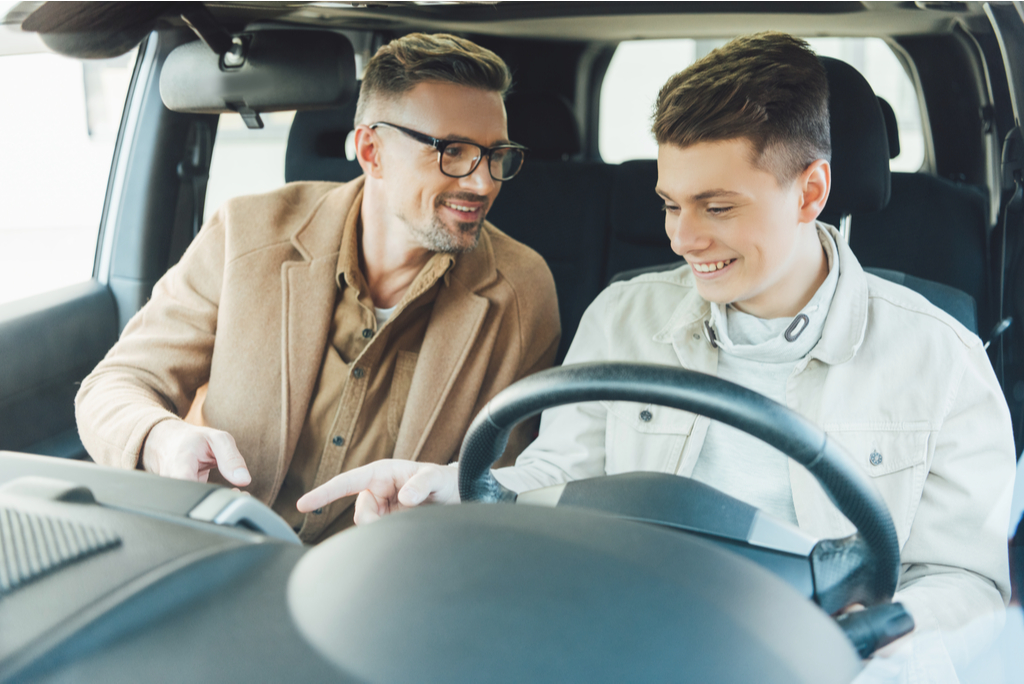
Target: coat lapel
(308, 300)
(455, 324)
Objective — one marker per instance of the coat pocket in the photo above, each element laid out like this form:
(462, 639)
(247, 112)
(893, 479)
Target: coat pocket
(398, 396)
(644, 437)
(895, 457)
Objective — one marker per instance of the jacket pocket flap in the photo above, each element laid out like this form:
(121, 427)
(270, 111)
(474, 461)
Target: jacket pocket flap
(883, 451)
(651, 418)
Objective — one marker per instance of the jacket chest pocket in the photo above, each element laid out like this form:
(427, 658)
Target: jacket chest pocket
(644, 437)
(896, 460)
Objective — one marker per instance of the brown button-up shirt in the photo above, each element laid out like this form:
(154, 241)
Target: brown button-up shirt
(362, 387)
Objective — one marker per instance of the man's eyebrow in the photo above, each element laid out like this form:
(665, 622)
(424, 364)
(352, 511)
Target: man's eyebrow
(454, 137)
(703, 196)
(714, 194)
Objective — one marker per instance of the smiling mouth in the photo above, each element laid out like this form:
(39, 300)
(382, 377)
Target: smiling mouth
(712, 266)
(460, 207)
(469, 211)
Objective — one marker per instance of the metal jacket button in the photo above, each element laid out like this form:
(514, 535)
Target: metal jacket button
(338, 440)
(358, 373)
(646, 416)
(876, 458)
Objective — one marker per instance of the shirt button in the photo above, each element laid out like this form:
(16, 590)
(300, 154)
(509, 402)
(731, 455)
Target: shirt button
(367, 333)
(338, 440)
(358, 373)
(876, 458)
(318, 511)
(646, 416)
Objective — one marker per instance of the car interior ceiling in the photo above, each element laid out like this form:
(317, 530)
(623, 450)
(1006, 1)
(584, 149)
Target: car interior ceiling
(937, 231)
(592, 220)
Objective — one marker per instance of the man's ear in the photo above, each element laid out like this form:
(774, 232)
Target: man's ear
(368, 151)
(814, 182)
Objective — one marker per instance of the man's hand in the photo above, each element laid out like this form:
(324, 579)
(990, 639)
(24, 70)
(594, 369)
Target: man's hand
(189, 452)
(386, 487)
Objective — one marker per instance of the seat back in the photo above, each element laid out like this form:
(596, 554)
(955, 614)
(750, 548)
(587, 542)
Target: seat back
(557, 206)
(932, 228)
(316, 146)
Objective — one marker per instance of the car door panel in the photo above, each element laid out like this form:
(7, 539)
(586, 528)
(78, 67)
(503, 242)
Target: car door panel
(49, 343)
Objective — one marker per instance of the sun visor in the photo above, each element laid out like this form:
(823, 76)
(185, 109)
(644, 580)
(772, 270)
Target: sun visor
(94, 30)
(265, 71)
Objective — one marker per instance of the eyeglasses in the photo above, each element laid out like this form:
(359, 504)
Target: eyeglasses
(459, 159)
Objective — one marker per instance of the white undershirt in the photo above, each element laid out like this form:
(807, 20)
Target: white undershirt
(754, 352)
(383, 315)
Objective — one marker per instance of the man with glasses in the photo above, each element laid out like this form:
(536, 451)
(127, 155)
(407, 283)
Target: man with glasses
(321, 327)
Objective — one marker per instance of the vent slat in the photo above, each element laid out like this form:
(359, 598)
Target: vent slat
(33, 545)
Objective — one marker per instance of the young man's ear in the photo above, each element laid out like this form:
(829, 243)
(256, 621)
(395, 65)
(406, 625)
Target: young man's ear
(368, 151)
(814, 182)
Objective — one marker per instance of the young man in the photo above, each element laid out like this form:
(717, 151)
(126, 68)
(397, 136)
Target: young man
(773, 300)
(320, 327)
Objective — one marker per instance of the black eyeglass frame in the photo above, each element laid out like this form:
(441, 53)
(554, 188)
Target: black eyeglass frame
(440, 145)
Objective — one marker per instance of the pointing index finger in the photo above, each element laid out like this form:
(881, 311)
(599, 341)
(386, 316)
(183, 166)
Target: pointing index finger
(345, 484)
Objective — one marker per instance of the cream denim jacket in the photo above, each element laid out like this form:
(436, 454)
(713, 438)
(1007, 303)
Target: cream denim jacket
(892, 376)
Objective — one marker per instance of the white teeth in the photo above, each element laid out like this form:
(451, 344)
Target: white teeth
(712, 267)
(460, 207)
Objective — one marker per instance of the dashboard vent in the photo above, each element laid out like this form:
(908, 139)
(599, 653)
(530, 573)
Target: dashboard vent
(33, 545)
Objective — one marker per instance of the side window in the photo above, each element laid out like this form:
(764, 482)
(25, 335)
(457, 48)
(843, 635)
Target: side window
(639, 69)
(246, 161)
(58, 130)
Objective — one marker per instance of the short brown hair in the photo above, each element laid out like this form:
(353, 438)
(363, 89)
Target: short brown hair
(769, 88)
(405, 62)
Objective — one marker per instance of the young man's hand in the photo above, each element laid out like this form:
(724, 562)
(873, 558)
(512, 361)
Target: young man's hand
(386, 487)
(189, 452)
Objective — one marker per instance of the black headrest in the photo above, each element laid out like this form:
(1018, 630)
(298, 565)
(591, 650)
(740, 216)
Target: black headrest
(891, 127)
(545, 123)
(860, 146)
(316, 146)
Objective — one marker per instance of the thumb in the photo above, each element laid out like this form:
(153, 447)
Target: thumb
(229, 461)
(424, 485)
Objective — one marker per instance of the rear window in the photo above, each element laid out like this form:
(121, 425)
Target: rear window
(639, 68)
(246, 161)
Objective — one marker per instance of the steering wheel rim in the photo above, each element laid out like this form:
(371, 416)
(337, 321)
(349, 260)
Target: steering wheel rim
(707, 395)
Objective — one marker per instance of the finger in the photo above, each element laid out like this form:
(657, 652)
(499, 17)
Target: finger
(422, 486)
(346, 484)
(368, 508)
(229, 461)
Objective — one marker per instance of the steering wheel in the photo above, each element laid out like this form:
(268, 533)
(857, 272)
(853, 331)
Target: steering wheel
(870, 557)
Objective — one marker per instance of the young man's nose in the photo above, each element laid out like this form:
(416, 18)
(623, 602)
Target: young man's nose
(685, 234)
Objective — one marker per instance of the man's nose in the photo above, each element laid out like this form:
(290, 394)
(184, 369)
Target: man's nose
(480, 180)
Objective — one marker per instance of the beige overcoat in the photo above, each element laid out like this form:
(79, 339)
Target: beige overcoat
(248, 308)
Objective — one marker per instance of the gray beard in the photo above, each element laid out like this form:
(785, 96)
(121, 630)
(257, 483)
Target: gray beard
(437, 238)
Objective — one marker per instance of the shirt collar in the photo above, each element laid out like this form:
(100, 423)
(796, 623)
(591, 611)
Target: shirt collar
(847, 318)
